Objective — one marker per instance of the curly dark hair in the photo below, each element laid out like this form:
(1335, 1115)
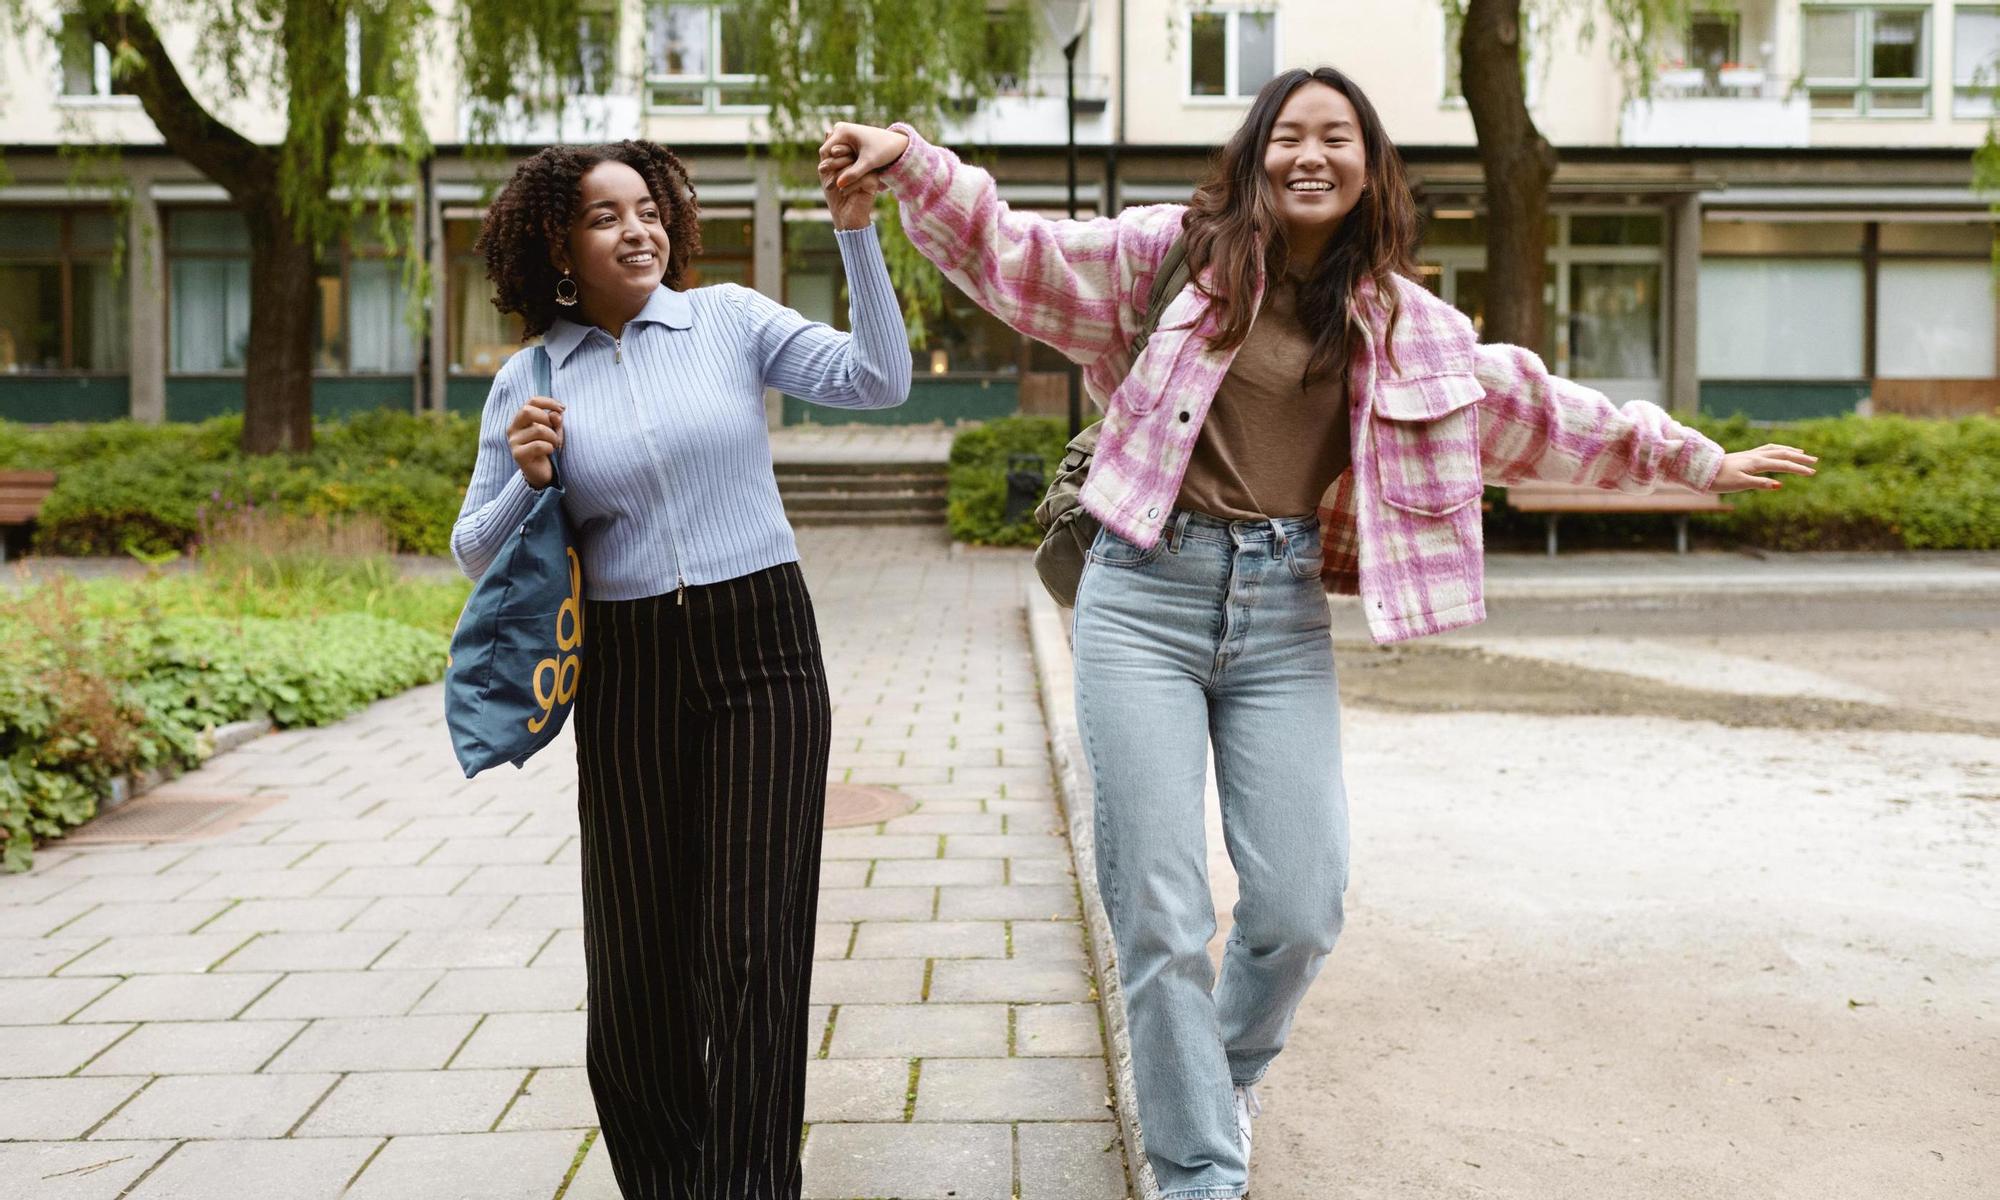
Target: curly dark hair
(532, 214)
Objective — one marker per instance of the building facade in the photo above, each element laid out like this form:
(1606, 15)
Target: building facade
(1784, 225)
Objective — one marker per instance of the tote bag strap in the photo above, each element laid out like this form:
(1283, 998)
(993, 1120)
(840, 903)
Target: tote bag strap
(544, 386)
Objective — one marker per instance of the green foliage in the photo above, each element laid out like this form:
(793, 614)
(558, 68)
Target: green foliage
(122, 675)
(1884, 483)
(876, 62)
(977, 490)
(123, 487)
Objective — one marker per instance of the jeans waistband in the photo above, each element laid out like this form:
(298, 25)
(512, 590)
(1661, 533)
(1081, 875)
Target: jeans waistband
(1186, 523)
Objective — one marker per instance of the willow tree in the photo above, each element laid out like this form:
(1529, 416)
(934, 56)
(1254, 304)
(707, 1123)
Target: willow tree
(352, 136)
(1515, 160)
(877, 61)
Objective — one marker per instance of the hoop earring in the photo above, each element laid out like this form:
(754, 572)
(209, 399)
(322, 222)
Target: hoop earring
(566, 291)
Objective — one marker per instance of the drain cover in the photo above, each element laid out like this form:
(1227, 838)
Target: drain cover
(167, 820)
(849, 804)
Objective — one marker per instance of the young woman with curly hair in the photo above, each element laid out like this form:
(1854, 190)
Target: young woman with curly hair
(1301, 365)
(702, 717)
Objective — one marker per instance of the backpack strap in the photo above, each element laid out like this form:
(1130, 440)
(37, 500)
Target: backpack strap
(1167, 283)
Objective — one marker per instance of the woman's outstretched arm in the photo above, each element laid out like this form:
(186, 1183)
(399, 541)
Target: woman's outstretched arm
(1066, 283)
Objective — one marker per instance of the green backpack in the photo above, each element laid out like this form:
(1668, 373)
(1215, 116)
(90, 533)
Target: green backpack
(1067, 528)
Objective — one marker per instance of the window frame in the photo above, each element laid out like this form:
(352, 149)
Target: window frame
(1986, 106)
(103, 93)
(711, 83)
(65, 257)
(1233, 95)
(1864, 85)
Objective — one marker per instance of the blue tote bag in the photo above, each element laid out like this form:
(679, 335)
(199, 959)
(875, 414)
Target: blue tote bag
(518, 648)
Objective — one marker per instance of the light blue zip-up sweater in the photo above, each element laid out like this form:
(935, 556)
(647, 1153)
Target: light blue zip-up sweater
(666, 457)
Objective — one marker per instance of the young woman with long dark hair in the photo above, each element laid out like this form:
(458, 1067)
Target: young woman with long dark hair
(1306, 414)
(702, 713)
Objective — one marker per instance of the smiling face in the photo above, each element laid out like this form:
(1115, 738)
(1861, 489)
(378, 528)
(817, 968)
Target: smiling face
(1315, 163)
(617, 243)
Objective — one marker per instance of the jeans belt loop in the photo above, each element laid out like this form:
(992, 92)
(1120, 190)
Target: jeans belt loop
(1178, 533)
(1279, 542)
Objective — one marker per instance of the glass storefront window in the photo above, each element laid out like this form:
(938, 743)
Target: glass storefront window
(727, 252)
(1614, 321)
(1776, 318)
(63, 304)
(208, 314)
(1934, 320)
(478, 337)
(30, 317)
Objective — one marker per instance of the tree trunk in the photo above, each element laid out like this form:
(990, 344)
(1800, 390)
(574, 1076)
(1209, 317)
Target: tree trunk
(1517, 163)
(277, 377)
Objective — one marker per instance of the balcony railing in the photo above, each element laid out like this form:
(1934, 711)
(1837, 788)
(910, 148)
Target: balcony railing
(1735, 106)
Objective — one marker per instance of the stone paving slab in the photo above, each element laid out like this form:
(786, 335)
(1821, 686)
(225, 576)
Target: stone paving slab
(374, 987)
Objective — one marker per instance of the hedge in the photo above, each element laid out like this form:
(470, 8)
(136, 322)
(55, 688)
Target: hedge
(114, 677)
(122, 487)
(1884, 483)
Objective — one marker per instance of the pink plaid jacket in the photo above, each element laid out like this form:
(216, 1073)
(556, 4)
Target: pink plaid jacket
(1435, 414)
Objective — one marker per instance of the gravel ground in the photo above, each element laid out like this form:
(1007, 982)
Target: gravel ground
(1622, 936)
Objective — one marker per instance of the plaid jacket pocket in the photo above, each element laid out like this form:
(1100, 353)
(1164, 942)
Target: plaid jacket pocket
(1426, 433)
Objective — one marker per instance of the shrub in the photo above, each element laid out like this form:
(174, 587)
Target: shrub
(125, 487)
(977, 506)
(303, 620)
(1884, 483)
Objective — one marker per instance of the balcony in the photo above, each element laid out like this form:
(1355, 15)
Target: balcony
(582, 119)
(1029, 110)
(1732, 106)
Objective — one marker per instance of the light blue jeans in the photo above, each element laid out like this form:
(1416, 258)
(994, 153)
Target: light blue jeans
(1217, 634)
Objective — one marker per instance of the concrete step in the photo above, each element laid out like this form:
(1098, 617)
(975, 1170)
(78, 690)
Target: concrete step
(862, 502)
(784, 469)
(935, 519)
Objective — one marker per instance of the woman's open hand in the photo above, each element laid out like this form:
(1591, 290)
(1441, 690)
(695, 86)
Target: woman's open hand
(1744, 470)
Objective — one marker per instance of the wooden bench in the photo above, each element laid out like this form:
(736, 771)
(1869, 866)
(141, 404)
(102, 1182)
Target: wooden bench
(1552, 500)
(21, 496)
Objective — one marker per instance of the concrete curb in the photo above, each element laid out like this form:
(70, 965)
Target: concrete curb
(1050, 641)
(127, 788)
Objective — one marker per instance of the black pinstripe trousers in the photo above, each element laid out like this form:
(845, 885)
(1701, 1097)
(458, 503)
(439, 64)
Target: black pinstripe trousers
(702, 728)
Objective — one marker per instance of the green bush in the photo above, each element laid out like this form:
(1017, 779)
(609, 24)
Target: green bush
(977, 490)
(115, 676)
(1884, 483)
(126, 487)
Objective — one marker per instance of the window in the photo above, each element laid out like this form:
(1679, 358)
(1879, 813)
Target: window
(358, 325)
(1781, 318)
(1975, 66)
(1231, 53)
(727, 250)
(86, 64)
(700, 56)
(596, 53)
(1867, 61)
(478, 336)
(367, 47)
(375, 339)
(1934, 319)
(208, 290)
(62, 305)
(1453, 91)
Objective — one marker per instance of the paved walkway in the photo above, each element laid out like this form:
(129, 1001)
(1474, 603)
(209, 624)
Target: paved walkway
(374, 987)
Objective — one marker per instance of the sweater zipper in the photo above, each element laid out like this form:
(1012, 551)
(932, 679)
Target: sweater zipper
(618, 350)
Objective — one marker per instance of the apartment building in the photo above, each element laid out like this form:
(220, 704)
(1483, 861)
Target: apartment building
(1783, 225)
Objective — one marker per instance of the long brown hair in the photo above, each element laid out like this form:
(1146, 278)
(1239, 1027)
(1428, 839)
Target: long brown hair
(1232, 224)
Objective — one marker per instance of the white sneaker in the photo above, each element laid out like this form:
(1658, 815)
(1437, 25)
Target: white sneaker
(1248, 1109)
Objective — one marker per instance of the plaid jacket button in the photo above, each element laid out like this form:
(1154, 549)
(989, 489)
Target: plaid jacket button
(1152, 514)
(1186, 417)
